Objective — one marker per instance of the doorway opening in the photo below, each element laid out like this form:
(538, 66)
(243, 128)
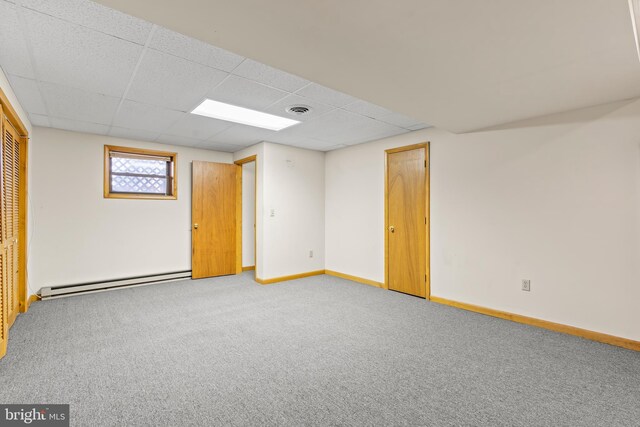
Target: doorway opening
(247, 239)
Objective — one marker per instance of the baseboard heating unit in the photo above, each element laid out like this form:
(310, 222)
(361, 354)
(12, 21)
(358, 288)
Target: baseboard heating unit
(107, 285)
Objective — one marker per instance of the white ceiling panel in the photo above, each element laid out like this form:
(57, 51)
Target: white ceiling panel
(77, 126)
(371, 132)
(76, 56)
(28, 93)
(134, 115)
(39, 120)
(400, 120)
(314, 144)
(246, 93)
(419, 126)
(168, 81)
(368, 109)
(14, 55)
(228, 148)
(168, 41)
(269, 76)
(329, 125)
(198, 127)
(178, 140)
(143, 135)
(317, 108)
(242, 135)
(94, 16)
(326, 96)
(76, 104)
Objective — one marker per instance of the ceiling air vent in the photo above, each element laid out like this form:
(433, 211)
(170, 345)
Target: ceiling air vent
(298, 110)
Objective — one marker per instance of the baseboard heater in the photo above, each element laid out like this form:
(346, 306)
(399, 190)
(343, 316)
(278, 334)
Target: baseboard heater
(106, 285)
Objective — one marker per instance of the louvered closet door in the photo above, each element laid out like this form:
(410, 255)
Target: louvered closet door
(10, 218)
(3, 283)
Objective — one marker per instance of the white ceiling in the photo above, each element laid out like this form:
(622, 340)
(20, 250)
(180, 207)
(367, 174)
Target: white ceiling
(77, 65)
(458, 64)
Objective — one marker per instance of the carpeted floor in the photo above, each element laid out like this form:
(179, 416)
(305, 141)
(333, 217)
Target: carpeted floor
(314, 351)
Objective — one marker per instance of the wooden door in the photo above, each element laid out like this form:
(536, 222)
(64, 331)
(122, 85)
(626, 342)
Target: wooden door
(4, 326)
(214, 212)
(10, 218)
(407, 220)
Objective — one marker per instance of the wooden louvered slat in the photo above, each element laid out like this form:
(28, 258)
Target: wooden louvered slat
(10, 219)
(3, 284)
(16, 222)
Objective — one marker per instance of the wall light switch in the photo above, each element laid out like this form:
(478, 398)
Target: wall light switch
(272, 213)
(526, 285)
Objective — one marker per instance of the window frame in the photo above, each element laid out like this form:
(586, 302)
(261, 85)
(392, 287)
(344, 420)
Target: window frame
(108, 194)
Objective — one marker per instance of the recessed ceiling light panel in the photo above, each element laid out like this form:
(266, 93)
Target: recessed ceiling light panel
(233, 113)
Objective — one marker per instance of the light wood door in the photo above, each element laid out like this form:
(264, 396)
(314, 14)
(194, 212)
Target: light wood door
(407, 221)
(214, 219)
(10, 219)
(4, 324)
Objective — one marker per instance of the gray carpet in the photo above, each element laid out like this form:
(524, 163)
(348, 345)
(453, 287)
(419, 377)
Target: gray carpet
(315, 351)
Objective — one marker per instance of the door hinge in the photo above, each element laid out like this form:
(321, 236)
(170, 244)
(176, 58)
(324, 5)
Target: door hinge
(425, 163)
(425, 220)
(425, 278)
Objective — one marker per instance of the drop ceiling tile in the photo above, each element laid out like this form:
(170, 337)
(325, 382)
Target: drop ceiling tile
(228, 148)
(173, 43)
(137, 134)
(269, 76)
(28, 94)
(178, 140)
(315, 144)
(246, 93)
(317, 108)
(95, 16)
(76, 56)
(78, 126)
(326, 96)
(198, 127)
(370, 130)
(168, 81)
(325, 127)
(76, 104)
(134, 115)
(400, 120)
(367, 109)
(419, 126)
(39, 120)
(241, 135)
(14, 55)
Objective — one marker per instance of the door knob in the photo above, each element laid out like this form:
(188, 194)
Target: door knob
(392, 229)
(195, 226)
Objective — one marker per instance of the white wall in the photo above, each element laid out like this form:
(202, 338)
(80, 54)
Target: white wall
(555, 200)
(248, 213)
(291, 183)
(77, 235)
(294, 191)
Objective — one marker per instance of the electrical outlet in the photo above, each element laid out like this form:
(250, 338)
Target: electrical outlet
(526, 285)
(311, 254)
(272, 213)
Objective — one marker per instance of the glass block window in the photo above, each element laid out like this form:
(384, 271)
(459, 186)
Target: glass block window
(137, 173)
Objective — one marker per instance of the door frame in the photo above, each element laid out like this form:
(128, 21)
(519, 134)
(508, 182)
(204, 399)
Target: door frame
(239, 268)
(425, 146)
